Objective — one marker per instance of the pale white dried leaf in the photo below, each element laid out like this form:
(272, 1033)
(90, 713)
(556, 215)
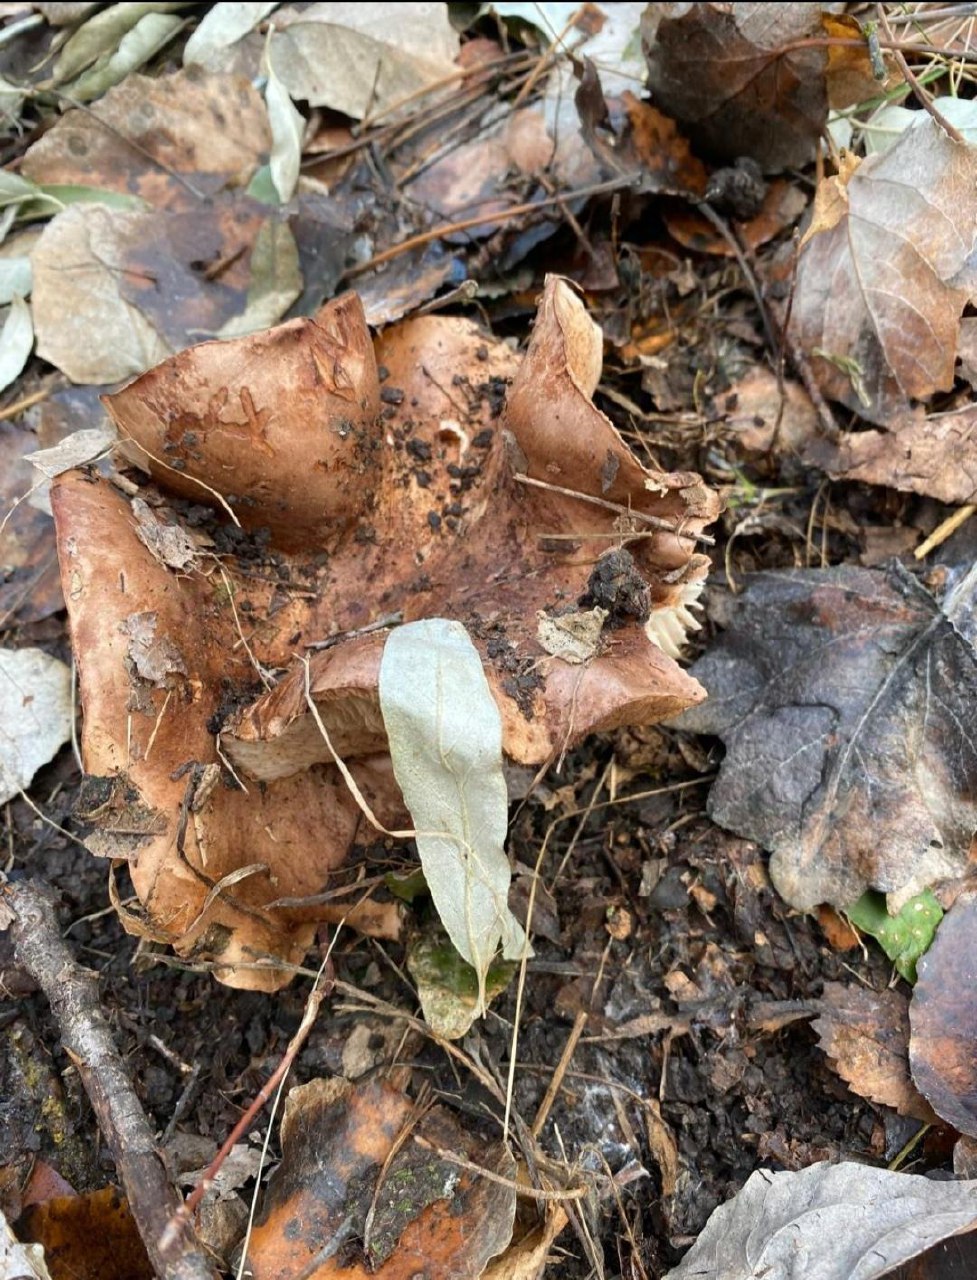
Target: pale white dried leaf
(144, 41)
(827, 1222)
(14, 189)
(35, 715)
(15, 279)
(574, 636)
(276, 281)
(445, 736)
(20, 1261)
(287, 130)
(364, 58)
(16, 342)
(85, 327)
(102, 34)
(74, 450)
(224, 25)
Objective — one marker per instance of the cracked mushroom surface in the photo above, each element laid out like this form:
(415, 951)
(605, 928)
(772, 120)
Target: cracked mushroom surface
(429, 472)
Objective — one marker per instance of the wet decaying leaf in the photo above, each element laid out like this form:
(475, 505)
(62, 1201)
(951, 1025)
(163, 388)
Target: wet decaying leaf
(826, 1222)
(117, 290)
(434, 492)
(740, 78)
(865, 1034)
(943, 1017)
(363, 1190)
(885, 272)
(846, 701)
(88, 1237)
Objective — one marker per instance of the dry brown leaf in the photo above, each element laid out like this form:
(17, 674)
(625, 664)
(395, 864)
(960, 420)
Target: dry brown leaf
(783, 205)
(935, 456)
(943, 1017)
(148, 133)
(356, 1168)
(526, 1257)
(886, 273)
(363, 500)
(743, 79)
(763, 415)
(865, 1034)
(659, 147)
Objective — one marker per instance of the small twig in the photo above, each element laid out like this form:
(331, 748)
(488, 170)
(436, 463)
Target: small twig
(520, 1188)
(72, 993)
(183, 1214)
(942, 531)
(922, 97)
(656, 522)
(711, 216)
(516, 211)
(25, 402)
(388, 620)
(556, 1080)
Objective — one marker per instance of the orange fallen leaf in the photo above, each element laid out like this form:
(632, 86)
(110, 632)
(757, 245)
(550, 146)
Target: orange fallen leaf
(364, 1189)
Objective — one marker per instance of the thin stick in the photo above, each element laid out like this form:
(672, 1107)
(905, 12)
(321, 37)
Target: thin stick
(319, 993)
(556, 1080)
(520, 1188)
(516, 211)
(922, 97)
(72, 993)
(184, 1213)
(942, 531)
(656, 522)
(26, 402)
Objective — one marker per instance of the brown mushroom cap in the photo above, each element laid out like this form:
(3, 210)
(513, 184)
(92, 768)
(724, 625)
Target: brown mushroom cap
(407, 496)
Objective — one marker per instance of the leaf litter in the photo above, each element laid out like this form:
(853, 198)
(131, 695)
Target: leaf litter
(232, 614)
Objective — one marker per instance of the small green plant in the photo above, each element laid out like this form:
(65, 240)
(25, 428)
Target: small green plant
(903, 937)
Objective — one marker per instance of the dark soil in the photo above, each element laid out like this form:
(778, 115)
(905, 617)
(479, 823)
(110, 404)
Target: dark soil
(653, 914)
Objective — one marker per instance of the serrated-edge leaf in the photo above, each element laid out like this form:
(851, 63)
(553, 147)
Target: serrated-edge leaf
(287, 131)
(224, 25)
(16, 342)
(445, 736)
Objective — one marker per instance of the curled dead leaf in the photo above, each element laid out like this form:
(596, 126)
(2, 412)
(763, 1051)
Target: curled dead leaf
(434, 492)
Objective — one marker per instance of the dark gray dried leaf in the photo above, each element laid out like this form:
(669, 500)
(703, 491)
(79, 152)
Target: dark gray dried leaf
(848, 704)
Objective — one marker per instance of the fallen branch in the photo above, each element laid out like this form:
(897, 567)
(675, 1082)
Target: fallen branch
(72, 993)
